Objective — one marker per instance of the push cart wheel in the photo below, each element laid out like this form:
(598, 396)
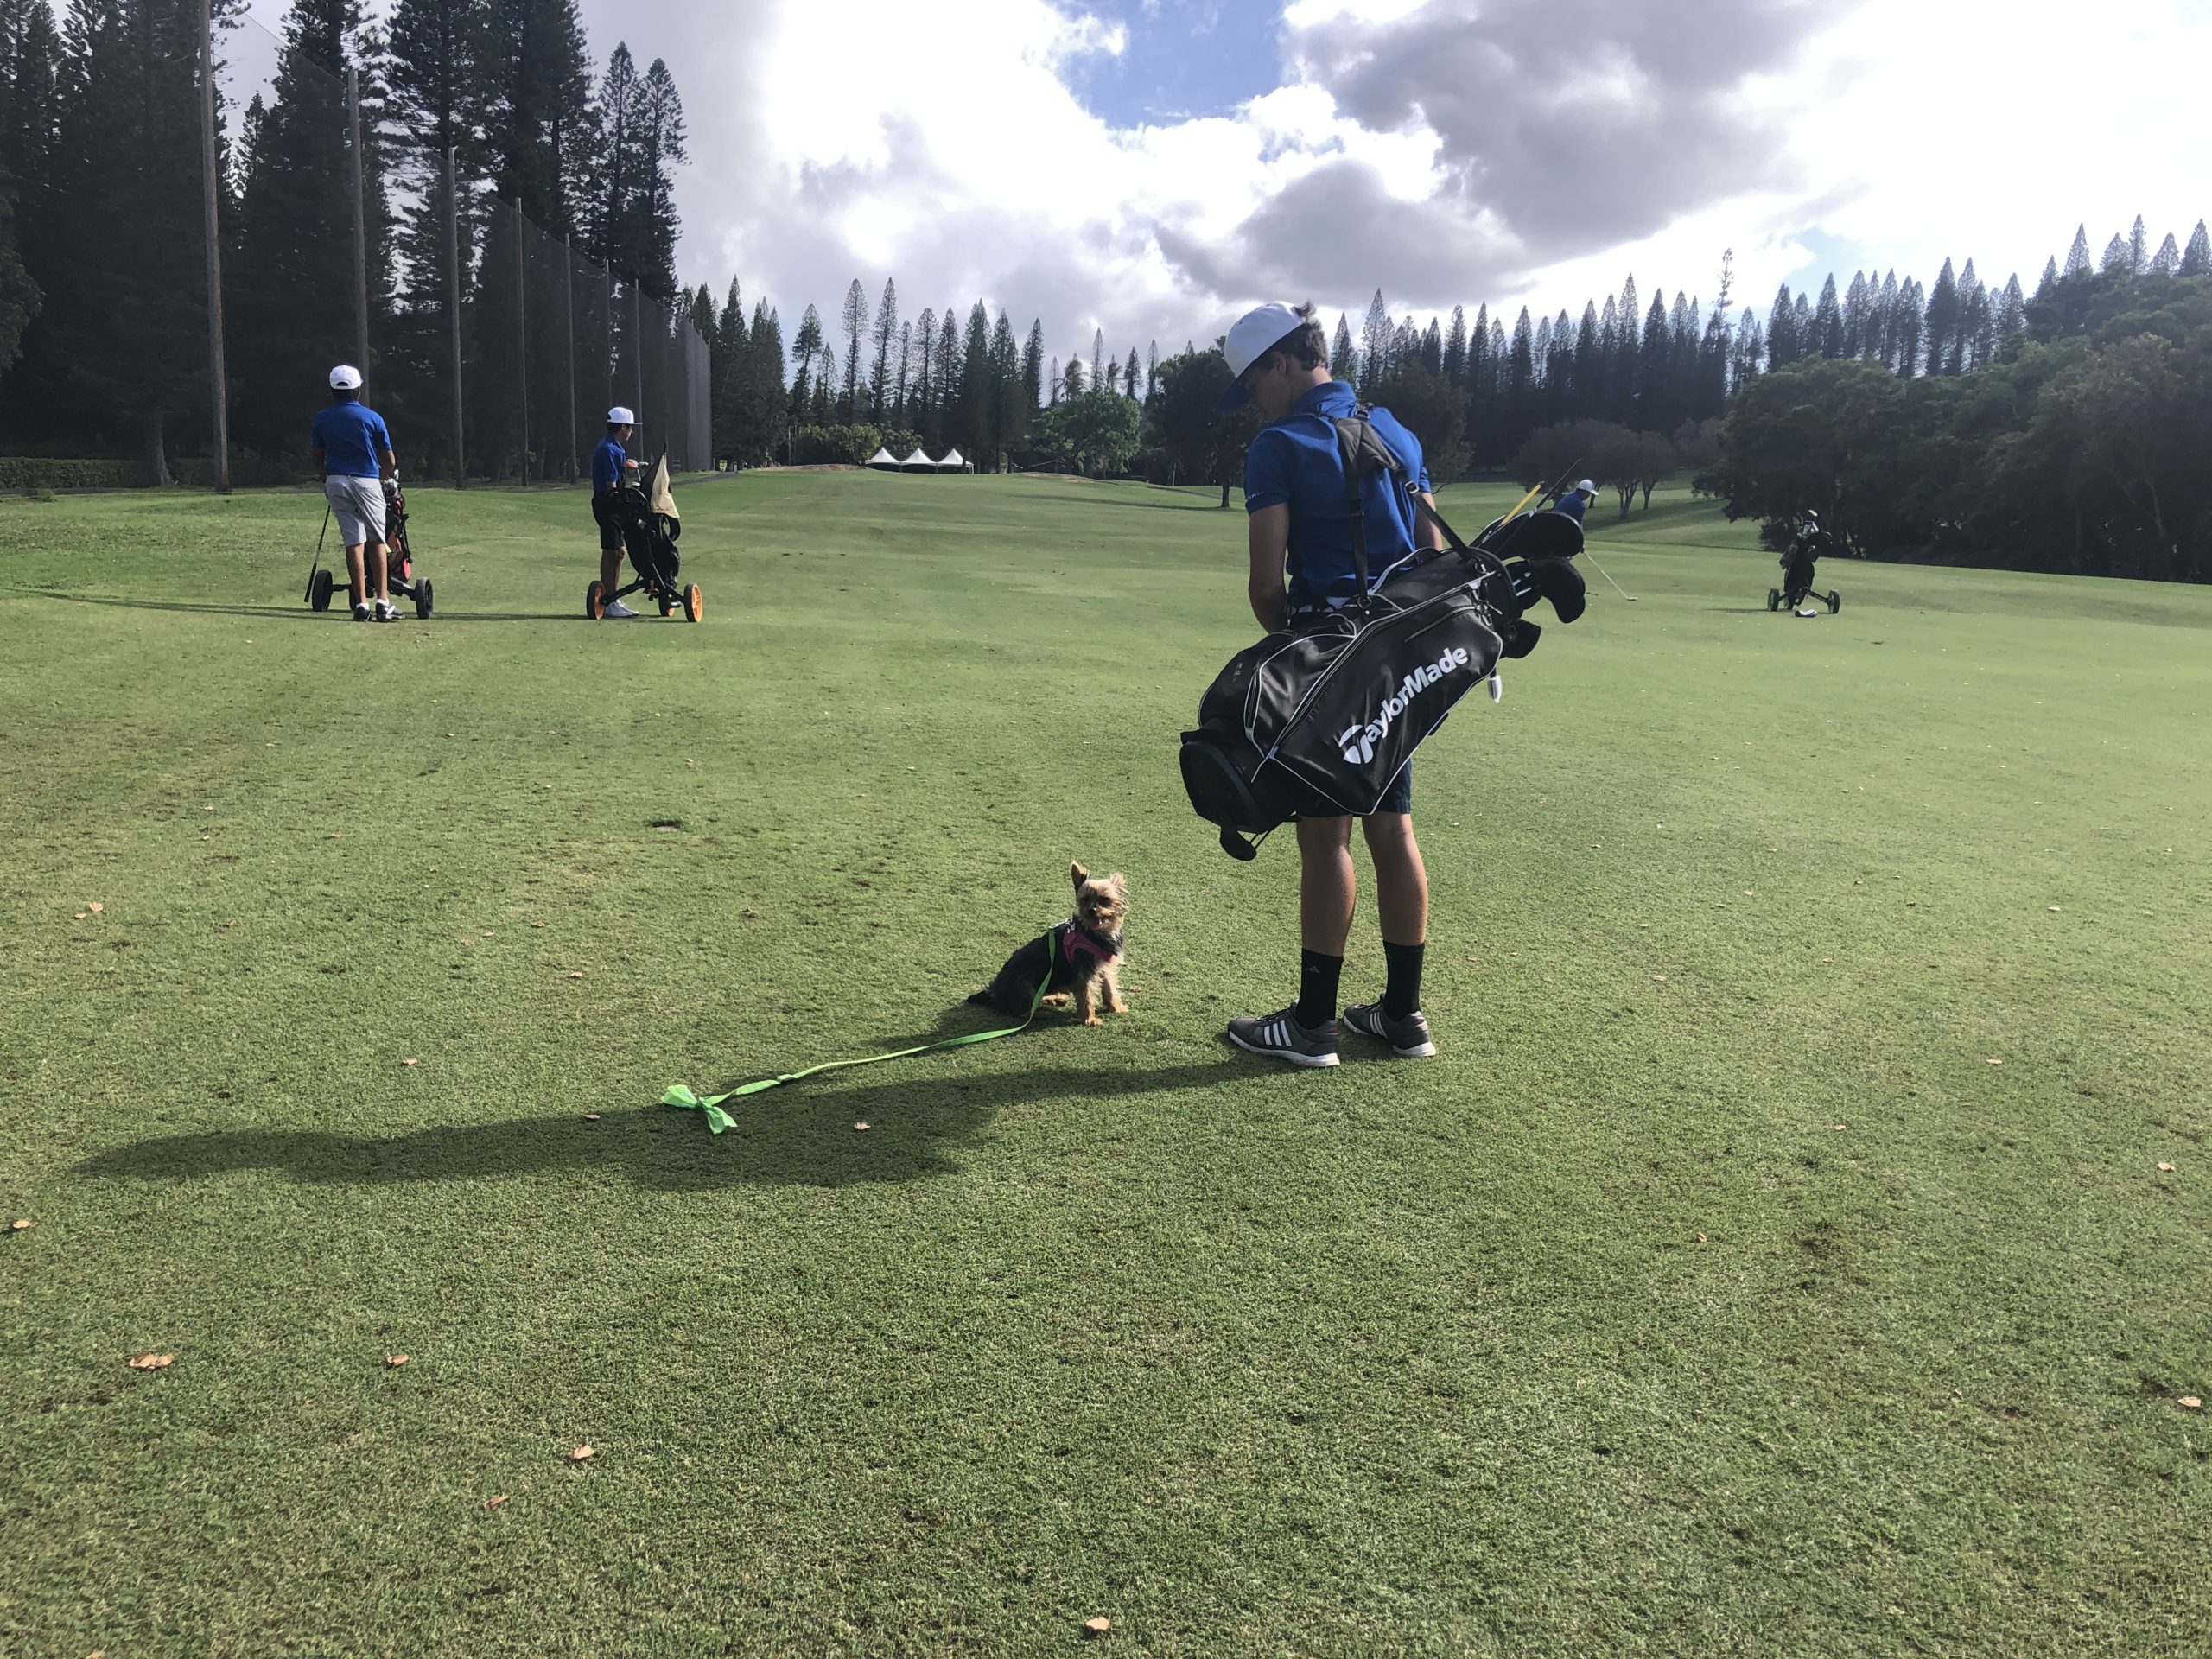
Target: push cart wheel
(1774, 598)
(422, 598)
(1835, 603)
(695, 602)
(319, 591)
(594, 601)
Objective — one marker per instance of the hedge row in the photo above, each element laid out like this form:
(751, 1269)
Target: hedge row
(29, 473)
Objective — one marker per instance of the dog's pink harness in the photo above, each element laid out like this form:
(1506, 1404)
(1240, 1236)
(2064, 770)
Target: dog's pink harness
(1074, 940)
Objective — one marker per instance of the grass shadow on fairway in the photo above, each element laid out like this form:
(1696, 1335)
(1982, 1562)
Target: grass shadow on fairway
(793, 1136)
(302, 611)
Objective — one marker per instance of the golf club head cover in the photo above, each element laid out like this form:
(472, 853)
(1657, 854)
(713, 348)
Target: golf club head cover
(1552, 578)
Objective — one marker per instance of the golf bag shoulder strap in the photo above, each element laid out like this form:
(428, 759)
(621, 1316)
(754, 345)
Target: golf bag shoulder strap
(1363, 452)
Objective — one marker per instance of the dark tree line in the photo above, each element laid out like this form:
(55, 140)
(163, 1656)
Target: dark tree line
(874, 379)
(103, 294)
(2078, 447)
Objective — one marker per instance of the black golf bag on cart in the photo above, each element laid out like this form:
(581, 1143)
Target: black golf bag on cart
(651, 528)
(1797, 563)
(1318, 719)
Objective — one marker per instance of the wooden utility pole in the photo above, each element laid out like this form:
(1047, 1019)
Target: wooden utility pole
(218, 386)
(522, 346)
(569, 289)
(360, 222)
(453, 305)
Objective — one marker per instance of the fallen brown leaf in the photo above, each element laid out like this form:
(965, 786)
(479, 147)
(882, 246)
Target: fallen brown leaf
(2190, 1402)
(2053, 906)
(859, 1126)
(1996, 1062)
(78, 917)
(411, 1062)
(1658, 979)
(1700, 1238)
(96, 908)
(591, 1117)
(19, 1225)
(153, 1362)
(2167, 1168)
(495, 1501)
(1097, 1626)
(395, 1359)
(583, 1453)
(576, 976)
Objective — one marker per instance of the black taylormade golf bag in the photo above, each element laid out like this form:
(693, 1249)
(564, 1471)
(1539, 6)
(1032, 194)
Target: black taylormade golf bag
(1317, 720)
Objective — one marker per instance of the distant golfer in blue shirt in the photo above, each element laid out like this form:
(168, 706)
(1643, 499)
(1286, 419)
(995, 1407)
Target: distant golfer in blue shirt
(1576, 500)
(1301, 545)
(352, 451)
(611, 469)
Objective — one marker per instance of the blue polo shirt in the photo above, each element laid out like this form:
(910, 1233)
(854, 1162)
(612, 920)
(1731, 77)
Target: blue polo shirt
(606, 464)
(1297, 460)
(351, 436)
(1572, 505)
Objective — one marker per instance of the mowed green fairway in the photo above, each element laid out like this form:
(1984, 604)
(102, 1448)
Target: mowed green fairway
(1778, 1259)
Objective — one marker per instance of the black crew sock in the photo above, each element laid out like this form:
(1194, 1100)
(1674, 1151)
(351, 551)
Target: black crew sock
(1317, 988)
(1401, 989)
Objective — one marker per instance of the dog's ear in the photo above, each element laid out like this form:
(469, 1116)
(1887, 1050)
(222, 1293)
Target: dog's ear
(1120, 883)
(1079, 875)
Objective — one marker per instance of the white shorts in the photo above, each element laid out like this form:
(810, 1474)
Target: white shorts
(358, 505)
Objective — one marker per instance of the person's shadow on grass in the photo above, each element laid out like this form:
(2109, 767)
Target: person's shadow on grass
(801, 1134)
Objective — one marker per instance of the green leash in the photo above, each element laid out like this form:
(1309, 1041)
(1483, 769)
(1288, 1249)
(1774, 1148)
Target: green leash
(718, 1120)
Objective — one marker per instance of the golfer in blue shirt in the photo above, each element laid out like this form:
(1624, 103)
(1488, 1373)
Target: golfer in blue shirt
(352, 451)
(611, 467)
(1300, 546)
(1576, 500)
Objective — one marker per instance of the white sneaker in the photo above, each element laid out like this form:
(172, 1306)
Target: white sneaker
(617, 608)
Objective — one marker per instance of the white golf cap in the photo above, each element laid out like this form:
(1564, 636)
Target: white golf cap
(345, 377)
(1588, 488)
(619, 416)
(1250, 337)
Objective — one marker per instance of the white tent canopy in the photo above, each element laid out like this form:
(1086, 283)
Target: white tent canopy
(882, 458)
(919, 461)
(952, 462)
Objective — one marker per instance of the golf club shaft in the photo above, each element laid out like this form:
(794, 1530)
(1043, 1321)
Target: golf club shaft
(1608, 575)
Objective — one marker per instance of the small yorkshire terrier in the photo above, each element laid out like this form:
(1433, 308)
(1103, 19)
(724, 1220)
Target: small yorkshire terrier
(1082, 955)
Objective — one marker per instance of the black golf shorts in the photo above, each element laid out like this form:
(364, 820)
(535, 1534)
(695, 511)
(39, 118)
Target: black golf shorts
(610, 530)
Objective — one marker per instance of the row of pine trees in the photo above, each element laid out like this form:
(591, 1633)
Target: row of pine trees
(1475, 387)
(103, 302)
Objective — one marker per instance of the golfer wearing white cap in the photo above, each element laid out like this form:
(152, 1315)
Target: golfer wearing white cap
(1576, 500)
(352, 451)
(609, 463)
(1296, 493)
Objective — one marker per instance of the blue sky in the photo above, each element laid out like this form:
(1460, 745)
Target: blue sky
(1182, 60)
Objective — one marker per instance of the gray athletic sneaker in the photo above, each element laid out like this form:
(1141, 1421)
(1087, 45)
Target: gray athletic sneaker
(1281, 1037)
(1408, 1037)
(362, 612)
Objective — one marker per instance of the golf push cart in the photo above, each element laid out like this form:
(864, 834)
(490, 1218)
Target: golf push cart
(1811, 541)
(398, 559)
(650, 526)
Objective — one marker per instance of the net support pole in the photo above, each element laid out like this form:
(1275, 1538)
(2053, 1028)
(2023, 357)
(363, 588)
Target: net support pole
(637, 327)
(360, 219)
(569, 289)
(607, 310)
(522, 350)
(453, 305)
(218, 383)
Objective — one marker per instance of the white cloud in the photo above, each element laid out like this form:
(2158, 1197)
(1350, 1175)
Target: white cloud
(944, 147)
